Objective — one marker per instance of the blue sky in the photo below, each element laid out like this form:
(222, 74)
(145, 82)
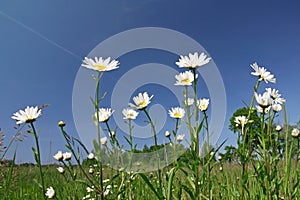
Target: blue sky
(43, 44)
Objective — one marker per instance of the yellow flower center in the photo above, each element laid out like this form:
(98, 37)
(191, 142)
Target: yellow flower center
(99, 67)
(177, 115)
(187, 80)
(143, 104)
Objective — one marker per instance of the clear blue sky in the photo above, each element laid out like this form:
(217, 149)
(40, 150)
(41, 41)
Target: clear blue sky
(43, 43)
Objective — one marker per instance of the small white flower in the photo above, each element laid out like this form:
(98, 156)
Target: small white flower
(129, 113)
(278, 128)
(30, 114)
(103, 140)
(193, 60)
(104, 114)
(189, 102)
(241, 120)
(263, 100)
(141, 101)
(112, 134)
(167, 134)
(221, 168)
(58, 156)
(262, 74)
(89, 189)
(91, 156)
(67, 156)
(203, 104)
(106, 192)
(91, 170)
(177, 112)
(276, 96)
(219, 158)
(276, 107)
(100, 64)
(180, 137)
(263, 110)
(295, 132)
(50, 193)
(60, 170)
(105, 180)
(185, 78)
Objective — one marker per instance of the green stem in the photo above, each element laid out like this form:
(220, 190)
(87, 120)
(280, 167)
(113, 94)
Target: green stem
(38, 157)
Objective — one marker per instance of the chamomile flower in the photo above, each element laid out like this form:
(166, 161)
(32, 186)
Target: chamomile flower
(177, 112)
(30, 114)
(179, 138)
(141, 101)
(203, 104)
(185, 78)
(263, 110)
(100, 64)
(263, 100)
(241, 120)
(276, 107)
(58, 156)
(91, 156)
(193, 60)
(103, 140)
(60, 170)
(189, 102)
(295, 132)
(104, 114)
(129, 113)
(276, 96)
(167, 134)
(50, 193)
(262, 73)
(67, 156)
(278, 128)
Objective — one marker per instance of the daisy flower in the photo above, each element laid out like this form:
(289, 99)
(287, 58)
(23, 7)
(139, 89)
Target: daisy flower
(50, 193)
(60, 170)
(67, 156)
(263, 100)
(189, 102)
(179, 138)
(100, 64)
(275, 95)
(185, 78)
(104, 114)
(141, 101)
(262, 74)
(193, 60)
(295, 132)
(103, 140)
(263, 110)
(177, 112)
(241, 120)
(203, 104)
(58, 156)
(30, 114)
(91, 156)
(129, 113)
(276, 107)
(278, 128)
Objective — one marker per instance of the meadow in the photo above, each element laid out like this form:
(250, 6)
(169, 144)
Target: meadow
(262, 165)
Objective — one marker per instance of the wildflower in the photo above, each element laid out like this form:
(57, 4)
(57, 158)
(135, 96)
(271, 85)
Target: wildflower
(185, 78)
(58, 156)
(203, 104)
(180, 137)
(106, 192)
(263, 100)
(60, 170)
(263, 110)
(177, 112)
(91, 170)
(262, 73)
(219, 158)
(189, 102)
(61, 123)
(105, 180)
(276, 97)
(276, 107)
(91, 156)
(212, 153)
(241, 120)
(50, 193)
(295, 132)
(67, 156)
(167, 134)
(141, 101)
(278, 128)
(104, 114)
(103, 140)
(221, 168)
(193, 60)
(100, 64)
(30, 114)
(90, 189)
(129, 113)
(112, 134)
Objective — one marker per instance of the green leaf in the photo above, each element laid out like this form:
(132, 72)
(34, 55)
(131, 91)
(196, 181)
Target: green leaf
(144, 177)
(170, 182)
